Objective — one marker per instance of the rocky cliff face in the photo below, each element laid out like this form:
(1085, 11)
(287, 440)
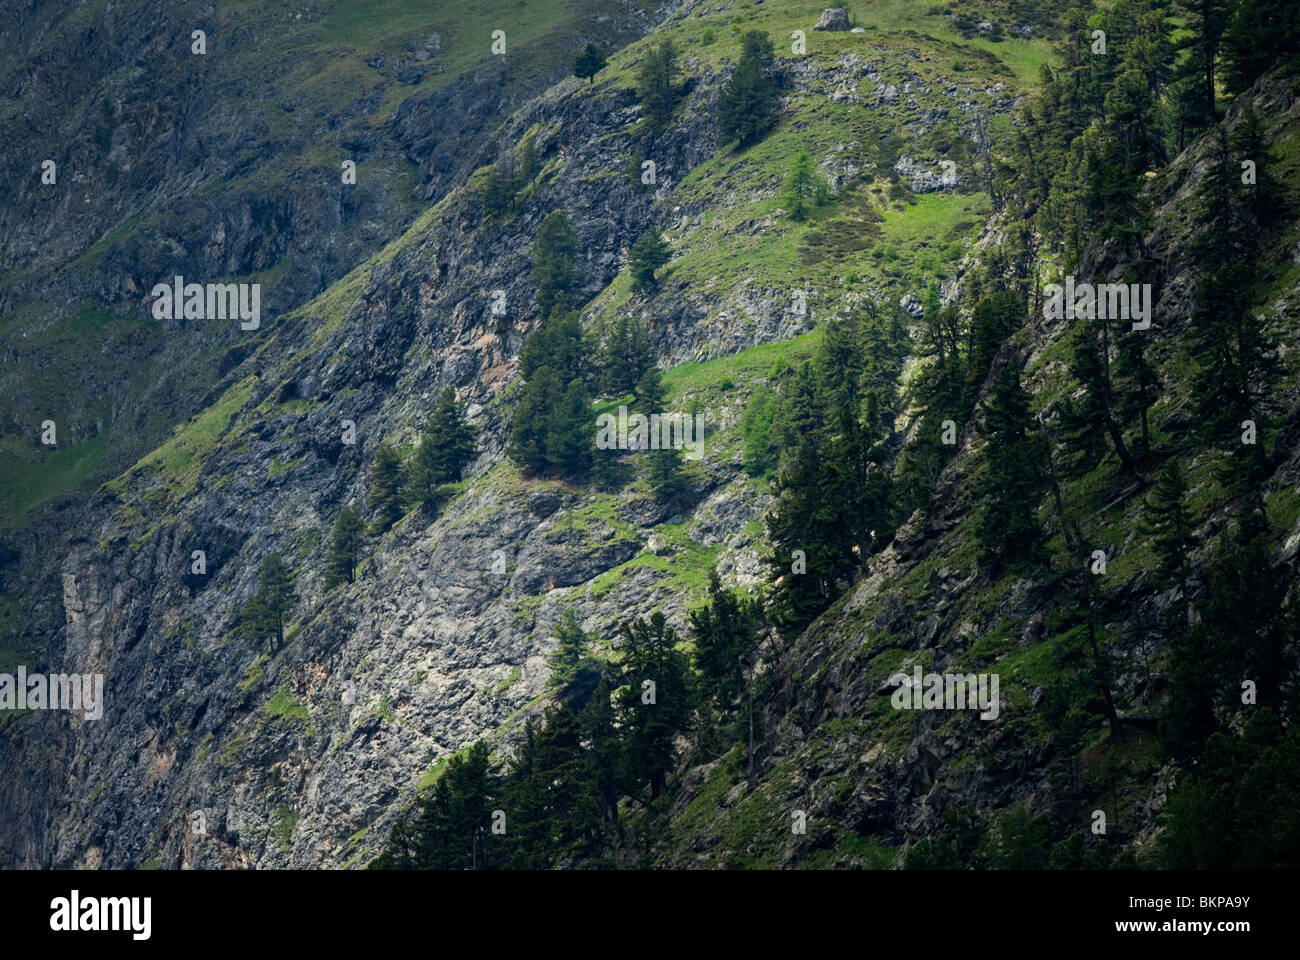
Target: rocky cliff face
(305, 756)
(219, 166)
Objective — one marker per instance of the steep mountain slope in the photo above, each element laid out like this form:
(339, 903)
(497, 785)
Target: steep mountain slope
(219, 166)
(872, 780)
(305, 756)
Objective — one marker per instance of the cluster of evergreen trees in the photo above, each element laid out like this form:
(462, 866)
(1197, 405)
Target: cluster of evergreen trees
(508, 177)
(748, 102)
(831, 439)
(1075, 175)
(446, 447)
(602, 753)
(564, 367)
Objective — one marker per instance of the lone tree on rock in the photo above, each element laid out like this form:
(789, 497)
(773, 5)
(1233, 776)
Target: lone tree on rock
(345, 546)
(648, 255)
(445, 449)
(589, 63)
(265, 612)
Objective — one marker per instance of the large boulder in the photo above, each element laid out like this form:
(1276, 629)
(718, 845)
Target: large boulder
(833, 19)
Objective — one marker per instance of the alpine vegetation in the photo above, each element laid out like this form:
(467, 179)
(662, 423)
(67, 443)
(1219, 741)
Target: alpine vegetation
(701, 435)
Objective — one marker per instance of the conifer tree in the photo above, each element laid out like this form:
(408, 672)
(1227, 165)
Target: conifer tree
(1205, 22)
(664, 474)
(651, 396)
(345, 547)
(530, 426)
(571, 432)
(994, 319)
(648, 254)
(445, 450)
(655, 85)
(553, 251)
(726, 634)
(1259, 34)
(604, 756)
(756, 424)
(747, 104)
(1013, 482)
(1169, 526)
(558, 343)
(572, 651)
(655, 702)
(805, 189)
(498, 191)
(386, 501)
(589, 63)
(1136, 383)
(264, 615)
(624, 357)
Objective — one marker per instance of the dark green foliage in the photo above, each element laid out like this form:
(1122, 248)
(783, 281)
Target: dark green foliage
(452, 826)
(655, 85)
(559, 343)
(1081, 850)
(1205, 22)
(1235, 356)
(263, 617)
(994, 319)
(1259, 34)
(529, 428)
(1241, 635)
(1136, 385)
(651, 396)
(572, 651)
(508, 177)
(760, 450)
(726, 634)
(553, 250)
(1235, 809)
(571, 431)
(960, 846)
(345, 547)
(445, 450)
(625, 357)
(655, 703)
(835, 493)
(554, 427)
(559, 797)
(1013, 482)
(937, 394)
(1169, 526)
(1019, 841)
(498, 191)
(386, 500)
(747, 104)
(648, 254)
(805, 189)
(664, 474)
(589, 63)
